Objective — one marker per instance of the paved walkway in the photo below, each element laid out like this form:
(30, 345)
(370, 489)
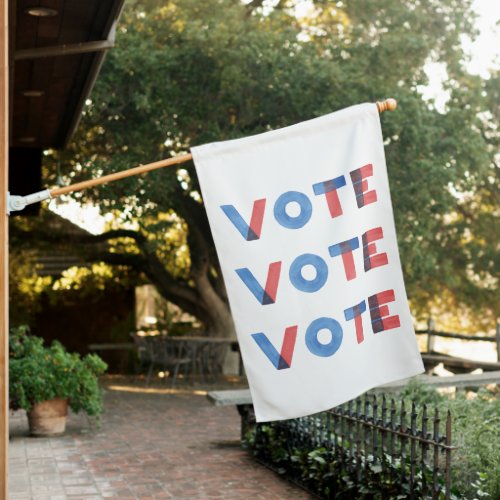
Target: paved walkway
(150, 445)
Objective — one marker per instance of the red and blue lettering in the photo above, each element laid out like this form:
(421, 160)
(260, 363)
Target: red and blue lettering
(318, 348)
(380, 313)
(249, 231)
(345, 249)
(329, 189)
(283, 359)
(265, 295)
(360, 185)
(303, 284)
(355, 313)
(371, 258)
(293, 221)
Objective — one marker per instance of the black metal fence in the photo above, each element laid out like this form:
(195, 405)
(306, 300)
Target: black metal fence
(371, 447)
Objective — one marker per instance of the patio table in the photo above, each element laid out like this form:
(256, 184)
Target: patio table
(206, 353)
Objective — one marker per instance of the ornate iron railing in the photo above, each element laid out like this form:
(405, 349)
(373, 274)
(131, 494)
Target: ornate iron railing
(371, 445)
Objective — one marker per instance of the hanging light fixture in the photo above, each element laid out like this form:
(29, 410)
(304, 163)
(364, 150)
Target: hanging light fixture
(33, 93)
(37, 11)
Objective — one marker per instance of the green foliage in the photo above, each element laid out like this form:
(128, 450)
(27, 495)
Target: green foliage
(38, 373)
(475, 464)
(189, 72)
(421, 394)
(334, 472)
(29, 292)
(476, 434)
(25, 286)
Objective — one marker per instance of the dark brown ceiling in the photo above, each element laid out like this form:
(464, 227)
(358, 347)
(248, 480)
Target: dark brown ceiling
(64, 80)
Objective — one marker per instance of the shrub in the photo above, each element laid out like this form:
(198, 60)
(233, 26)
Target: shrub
(38, 373)
(475, 464)
(475, 434)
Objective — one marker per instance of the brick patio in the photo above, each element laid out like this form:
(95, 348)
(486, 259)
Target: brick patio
(159, 444)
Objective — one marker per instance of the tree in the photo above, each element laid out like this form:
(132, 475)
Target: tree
(186, 72)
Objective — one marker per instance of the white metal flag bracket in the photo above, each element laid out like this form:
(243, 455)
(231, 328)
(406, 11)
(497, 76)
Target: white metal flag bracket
(16, 203)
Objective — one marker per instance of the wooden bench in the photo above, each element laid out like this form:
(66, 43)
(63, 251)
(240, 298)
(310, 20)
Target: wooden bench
(458, 365)
(459, 381)
(230, 397)
(242, 398)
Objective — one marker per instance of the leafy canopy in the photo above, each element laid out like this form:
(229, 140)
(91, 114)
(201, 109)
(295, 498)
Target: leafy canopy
(186, 72)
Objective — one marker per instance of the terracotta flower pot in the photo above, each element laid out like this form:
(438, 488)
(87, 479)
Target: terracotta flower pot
(48, 417)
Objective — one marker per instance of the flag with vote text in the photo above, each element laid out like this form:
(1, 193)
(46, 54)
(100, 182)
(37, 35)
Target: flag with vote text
(304, 230)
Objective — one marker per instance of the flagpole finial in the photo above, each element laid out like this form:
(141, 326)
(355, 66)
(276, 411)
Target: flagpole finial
(387, 105)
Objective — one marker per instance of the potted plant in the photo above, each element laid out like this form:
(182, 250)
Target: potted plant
(45, 380)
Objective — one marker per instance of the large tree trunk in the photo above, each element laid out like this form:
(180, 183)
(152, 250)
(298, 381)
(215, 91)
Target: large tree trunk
(200, 300)
(221, 321)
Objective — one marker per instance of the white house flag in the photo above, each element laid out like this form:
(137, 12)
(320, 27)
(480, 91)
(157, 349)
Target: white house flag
(304, 229)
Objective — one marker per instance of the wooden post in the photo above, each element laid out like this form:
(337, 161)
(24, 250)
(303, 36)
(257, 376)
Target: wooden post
(498, 341)
(431, 326)
(4, 248)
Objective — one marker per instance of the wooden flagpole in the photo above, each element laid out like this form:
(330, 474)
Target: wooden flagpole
(121, 175)
(387, 105)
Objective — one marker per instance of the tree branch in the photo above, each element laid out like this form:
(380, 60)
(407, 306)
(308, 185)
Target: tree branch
(135, 261)
(118, 233)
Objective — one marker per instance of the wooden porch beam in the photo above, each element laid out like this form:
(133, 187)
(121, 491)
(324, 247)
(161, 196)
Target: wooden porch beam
(4, 248)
